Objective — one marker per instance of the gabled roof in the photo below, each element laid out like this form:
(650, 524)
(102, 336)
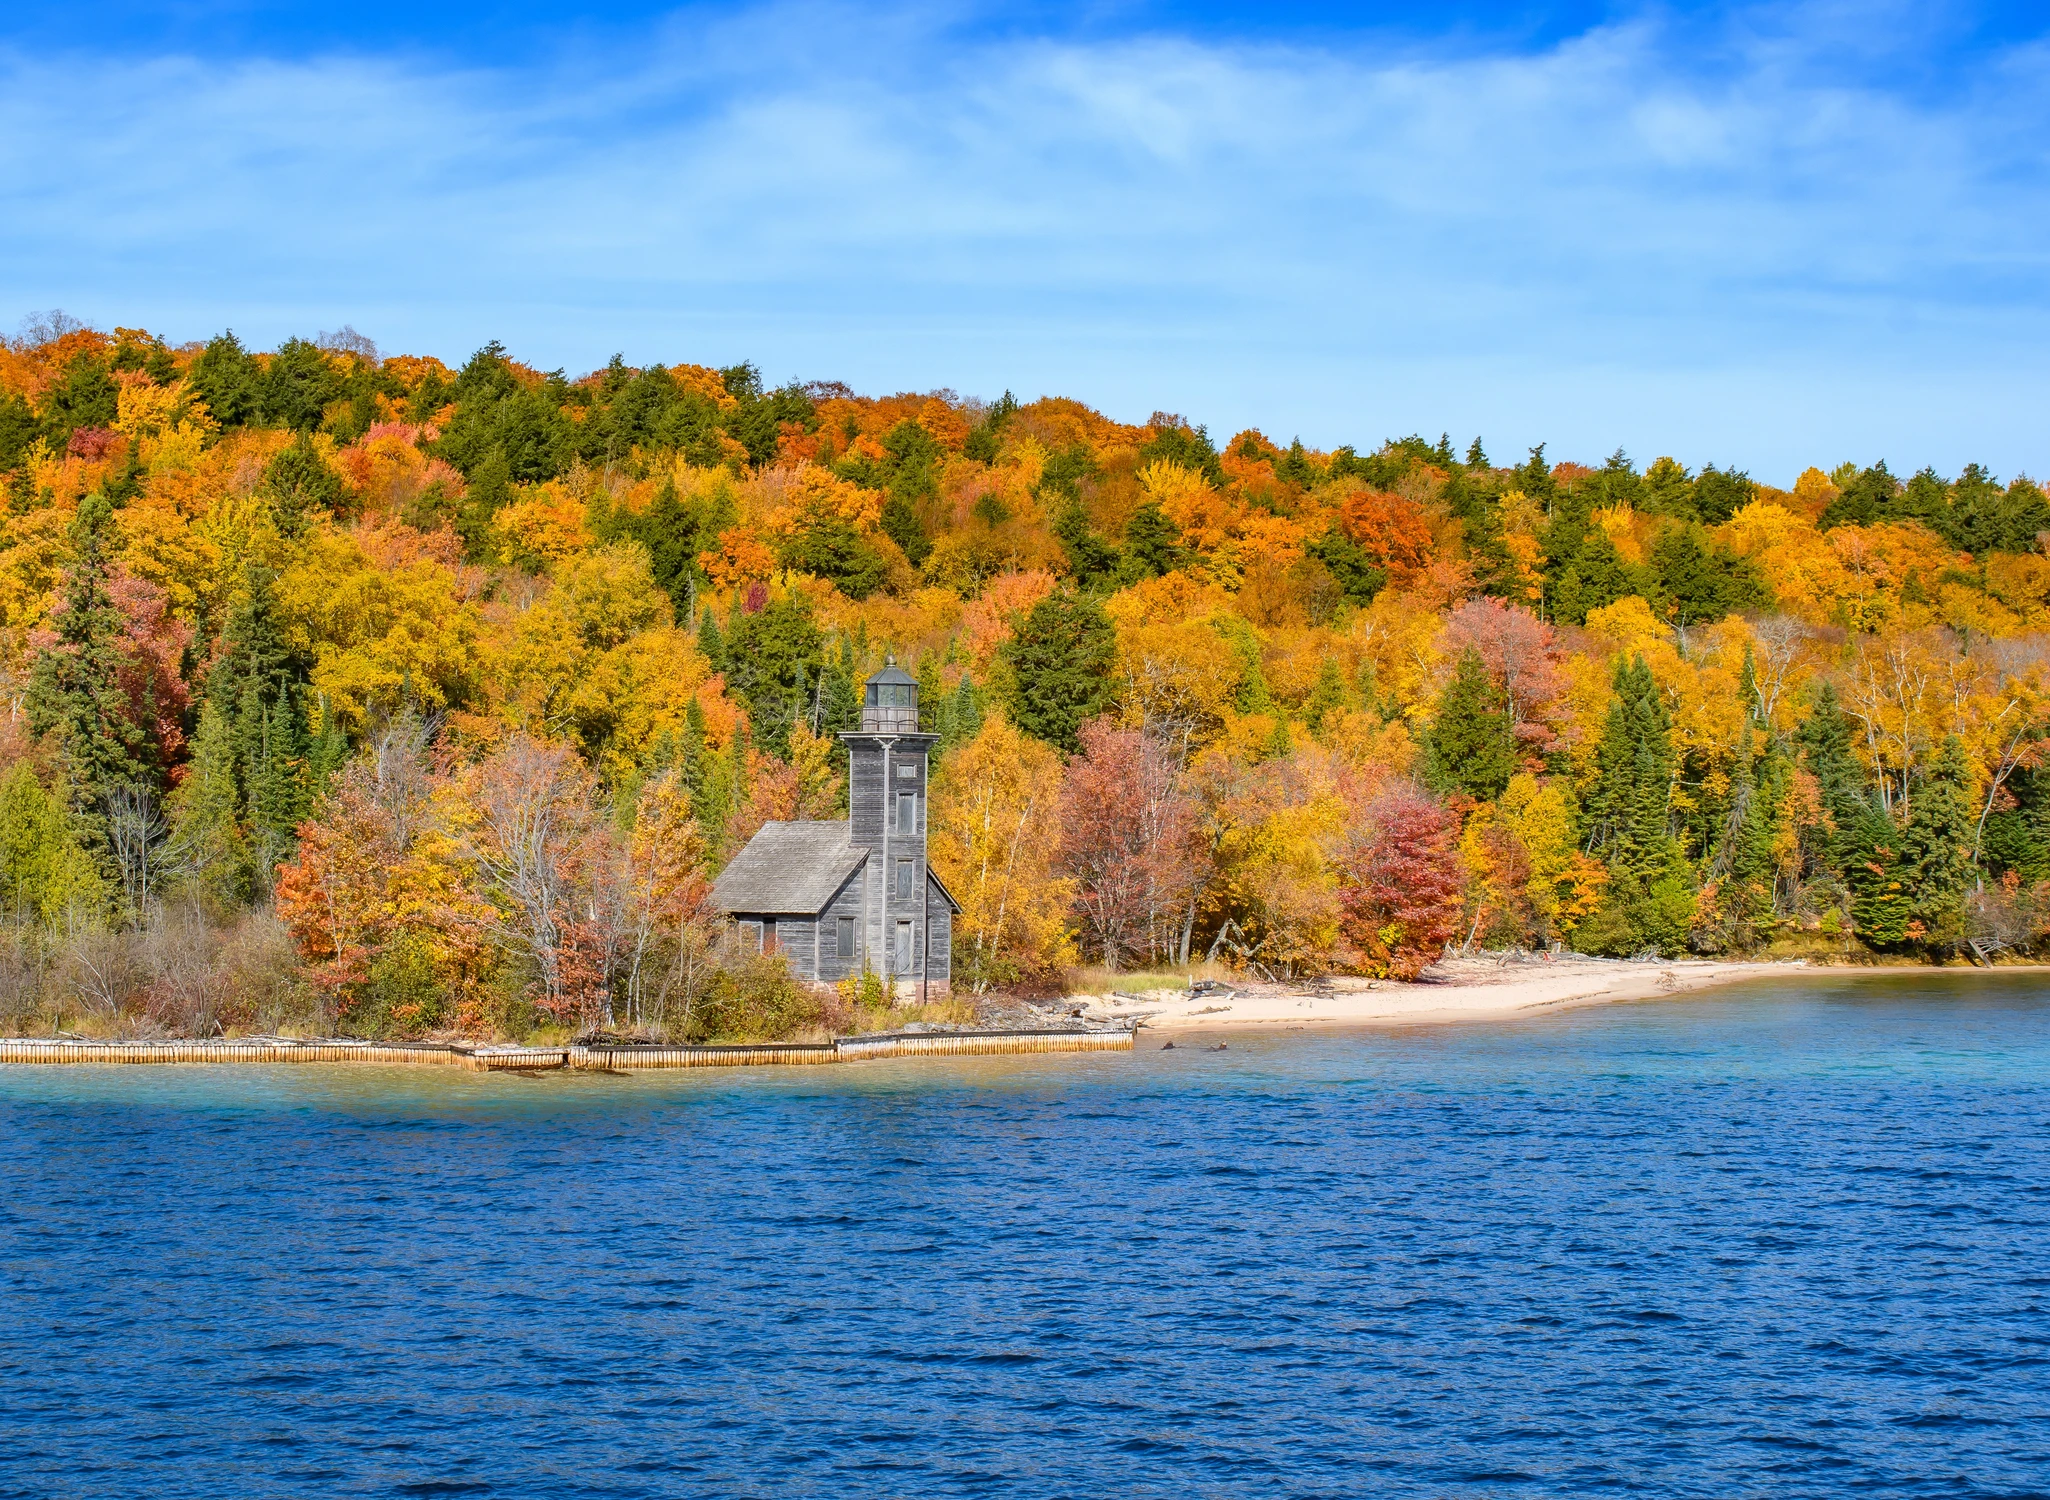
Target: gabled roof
(788, 869)
(933, 875)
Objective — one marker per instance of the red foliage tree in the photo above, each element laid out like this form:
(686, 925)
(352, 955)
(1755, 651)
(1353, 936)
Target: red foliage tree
(1127, 829)
(1401, 882)
(1520, 653)
(152, 679)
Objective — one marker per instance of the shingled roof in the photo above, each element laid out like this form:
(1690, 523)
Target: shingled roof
(788, 869)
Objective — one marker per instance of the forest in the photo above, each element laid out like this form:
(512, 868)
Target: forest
(358, 693)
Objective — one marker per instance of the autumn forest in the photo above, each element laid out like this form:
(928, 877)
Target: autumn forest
(357, 692)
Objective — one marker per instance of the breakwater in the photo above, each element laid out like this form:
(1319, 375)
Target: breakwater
(508, 1059)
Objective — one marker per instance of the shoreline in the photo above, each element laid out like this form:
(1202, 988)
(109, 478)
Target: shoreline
(1472, 989)
(1478, 988)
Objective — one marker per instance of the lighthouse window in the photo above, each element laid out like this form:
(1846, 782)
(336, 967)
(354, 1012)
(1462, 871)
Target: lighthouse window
(907, 812)
(906, 878)
(906, 771)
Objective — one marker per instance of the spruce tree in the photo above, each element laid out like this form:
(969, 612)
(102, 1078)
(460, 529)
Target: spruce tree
(1882, 905)
(1936, 848)
(1153, 543)
(75, 692)
(206, 834)
(901, 525)
(46, 877)
(257, 686)
(711, 640)
(691, 756)
(1060, 663)
(1470, 747)
(1826, 737)
(300, 485)
(1649, 901)
(1091, 560)
(1327, 696)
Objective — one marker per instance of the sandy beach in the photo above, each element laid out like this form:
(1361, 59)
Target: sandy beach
(1469, 989)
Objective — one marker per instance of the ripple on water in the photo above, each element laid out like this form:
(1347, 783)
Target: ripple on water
(1782, 1240)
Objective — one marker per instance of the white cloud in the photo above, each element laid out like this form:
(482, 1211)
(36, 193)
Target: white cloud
(1734, 251)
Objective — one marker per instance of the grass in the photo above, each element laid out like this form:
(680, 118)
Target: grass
(1095, 980)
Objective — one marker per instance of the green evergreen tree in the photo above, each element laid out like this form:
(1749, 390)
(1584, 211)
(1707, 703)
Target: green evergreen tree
(1882, 905)
(1060, 664)
(228, 379)
(204, 811)
(691, 757)
(1936, 848)
(772, 659)
(1826, 737)
(1153, 543)
(831, 548)
(75, 692)
(963, 719)
(1328, 695)
(1746, 858)
(300, 486)
(711, 640)
(1649, 900)
(1355, 572)
(488, 491)
(46, 876)
(901, 525)
(258, 687)
(1470, 746)
(1091, 560)
(297, 386)
(1595, 577)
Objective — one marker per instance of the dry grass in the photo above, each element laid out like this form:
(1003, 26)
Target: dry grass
(1092, 980)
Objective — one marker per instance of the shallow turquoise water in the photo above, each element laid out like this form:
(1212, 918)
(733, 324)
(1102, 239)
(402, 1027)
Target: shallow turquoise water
(1790, 1239)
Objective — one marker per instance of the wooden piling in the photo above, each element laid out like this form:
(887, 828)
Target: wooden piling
(589, 1059)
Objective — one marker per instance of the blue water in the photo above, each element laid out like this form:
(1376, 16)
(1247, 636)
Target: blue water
(1792, 1239)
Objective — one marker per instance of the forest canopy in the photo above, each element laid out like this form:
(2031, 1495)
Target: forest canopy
(326, 633)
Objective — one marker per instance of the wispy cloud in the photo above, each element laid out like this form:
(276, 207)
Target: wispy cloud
(1739, 241)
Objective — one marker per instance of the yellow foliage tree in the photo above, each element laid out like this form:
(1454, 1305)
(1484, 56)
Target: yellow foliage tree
(991, 808)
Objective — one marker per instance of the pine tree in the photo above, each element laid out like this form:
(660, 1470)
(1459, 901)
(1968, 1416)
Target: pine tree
(1469, 747)
(75, 692)
(1936, 848)
(1060, 663)
(1091, 560)
(1826, 737)
(1153, 543)
(1327, 696)
(901, 525)
(1882, 906)
(1649, 901)
(45, 875)
(300, 485)
(258, 688)
(206, 836)
(711, 640)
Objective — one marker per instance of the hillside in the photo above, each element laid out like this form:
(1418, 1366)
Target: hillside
(398, 697)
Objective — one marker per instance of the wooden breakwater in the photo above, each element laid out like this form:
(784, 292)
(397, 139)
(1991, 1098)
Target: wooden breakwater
(579, 1058)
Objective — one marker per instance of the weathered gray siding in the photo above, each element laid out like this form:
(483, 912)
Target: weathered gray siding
(846, 903)
(865, 796)
(796, 939)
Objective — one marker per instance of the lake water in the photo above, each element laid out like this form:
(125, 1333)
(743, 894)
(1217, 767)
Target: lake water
(1789, 1239)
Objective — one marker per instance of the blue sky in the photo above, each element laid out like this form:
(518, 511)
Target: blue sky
(1762, 235)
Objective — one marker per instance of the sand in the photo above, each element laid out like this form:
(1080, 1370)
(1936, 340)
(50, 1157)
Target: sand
(1470, 989)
